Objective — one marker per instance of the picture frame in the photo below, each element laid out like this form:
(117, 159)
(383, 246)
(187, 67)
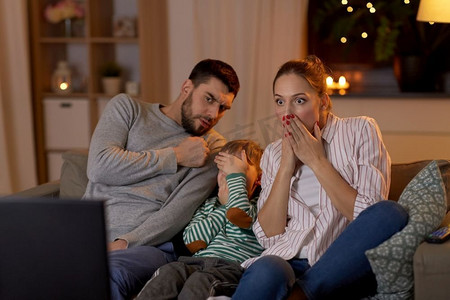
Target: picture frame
(124, 27)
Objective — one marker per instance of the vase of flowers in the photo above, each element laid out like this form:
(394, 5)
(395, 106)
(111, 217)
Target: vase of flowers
(65, 11)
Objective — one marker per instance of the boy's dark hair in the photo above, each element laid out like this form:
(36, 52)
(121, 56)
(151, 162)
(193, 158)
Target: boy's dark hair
(252, 150)
(205, 69)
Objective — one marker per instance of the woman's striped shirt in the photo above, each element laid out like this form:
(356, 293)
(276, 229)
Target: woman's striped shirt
(355, 149)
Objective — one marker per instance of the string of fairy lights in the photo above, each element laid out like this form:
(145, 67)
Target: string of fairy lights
(380, 22)
(342, 85)
(372, 9)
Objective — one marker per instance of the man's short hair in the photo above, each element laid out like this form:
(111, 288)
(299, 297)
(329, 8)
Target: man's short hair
(205, 69)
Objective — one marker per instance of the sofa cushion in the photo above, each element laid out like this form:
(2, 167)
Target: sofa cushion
(402, 173)
(425, 200)
(73, 179)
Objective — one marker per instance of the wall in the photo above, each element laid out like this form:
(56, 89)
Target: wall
(253, 36)
(17, 158)
(413, 128)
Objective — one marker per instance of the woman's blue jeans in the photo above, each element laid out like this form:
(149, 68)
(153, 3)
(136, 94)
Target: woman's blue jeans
(343, 272)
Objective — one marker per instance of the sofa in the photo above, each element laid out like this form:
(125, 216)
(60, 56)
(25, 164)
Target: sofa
(431, 262)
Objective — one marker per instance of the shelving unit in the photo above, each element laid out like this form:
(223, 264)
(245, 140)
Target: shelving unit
(67, 121)
(91, 45)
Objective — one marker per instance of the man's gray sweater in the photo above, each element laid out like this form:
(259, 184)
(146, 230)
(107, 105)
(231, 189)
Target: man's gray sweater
(132, 165)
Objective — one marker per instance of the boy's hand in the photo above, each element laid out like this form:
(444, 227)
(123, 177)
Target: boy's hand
(223, 190)
(228, 163)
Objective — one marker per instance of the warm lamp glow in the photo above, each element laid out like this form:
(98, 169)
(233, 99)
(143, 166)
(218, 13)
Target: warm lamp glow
(63, 86)
(434, 11)
(61, 82)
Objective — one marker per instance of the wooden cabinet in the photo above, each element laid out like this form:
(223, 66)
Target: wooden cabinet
(66, 126)
(90, 44)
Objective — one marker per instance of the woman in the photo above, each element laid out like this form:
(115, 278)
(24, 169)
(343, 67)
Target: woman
(320, 207)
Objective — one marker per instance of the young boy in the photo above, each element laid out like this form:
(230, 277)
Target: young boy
(219, 234)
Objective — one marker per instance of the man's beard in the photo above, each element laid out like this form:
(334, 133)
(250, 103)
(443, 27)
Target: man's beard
(188, 120)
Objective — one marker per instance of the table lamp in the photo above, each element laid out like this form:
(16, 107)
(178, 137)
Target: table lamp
(437, 11)
(434, 11)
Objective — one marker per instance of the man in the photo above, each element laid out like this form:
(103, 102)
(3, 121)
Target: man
(154, 166)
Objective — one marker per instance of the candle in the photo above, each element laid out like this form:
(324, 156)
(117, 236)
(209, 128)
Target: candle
(341, 86)
(329, 81)
(342, 81)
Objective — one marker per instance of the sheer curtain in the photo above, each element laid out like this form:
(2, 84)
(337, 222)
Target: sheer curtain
(255, 37)
(17, 158)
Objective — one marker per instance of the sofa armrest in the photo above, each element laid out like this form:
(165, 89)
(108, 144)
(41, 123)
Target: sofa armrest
(432, 271)
(49, 189)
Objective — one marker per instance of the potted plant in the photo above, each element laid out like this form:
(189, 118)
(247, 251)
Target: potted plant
(111, 80)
